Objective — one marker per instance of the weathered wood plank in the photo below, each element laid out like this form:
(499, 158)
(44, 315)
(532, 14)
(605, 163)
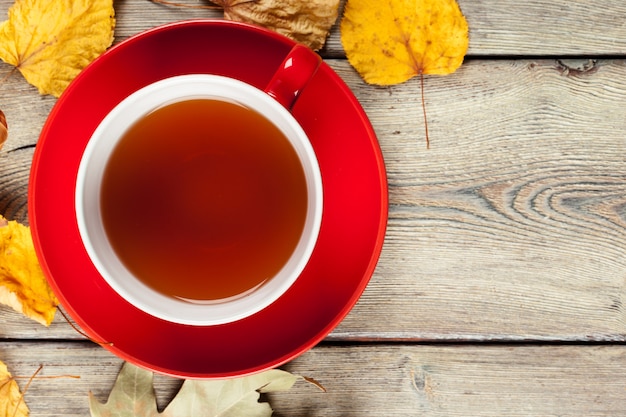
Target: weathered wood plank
(515, 218)
(14, 174)
(497, 27)
(512, 226)
(413, 380)
(462, 381)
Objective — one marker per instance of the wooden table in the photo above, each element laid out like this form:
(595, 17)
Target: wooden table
(501, 289)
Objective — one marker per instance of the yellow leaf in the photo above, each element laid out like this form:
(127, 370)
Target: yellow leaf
(50, 42)
(22, 283)
(11, 401)
(391, 41)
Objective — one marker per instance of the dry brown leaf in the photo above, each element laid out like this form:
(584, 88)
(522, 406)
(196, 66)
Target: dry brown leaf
(22, 283)
(50, 42)
(4, 129)
(307, 22)
(11, 400)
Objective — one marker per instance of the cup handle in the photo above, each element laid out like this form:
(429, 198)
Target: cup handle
(293, 74)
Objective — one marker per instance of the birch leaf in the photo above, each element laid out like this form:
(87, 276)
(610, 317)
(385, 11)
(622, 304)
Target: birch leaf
(50, 42)
(22, 283)
(11, 400)
(391, 41)
(133, 395)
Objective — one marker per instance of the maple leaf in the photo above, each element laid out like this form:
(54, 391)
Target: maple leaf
(50, 42)
(390, 42)
(133, 395)
(11, 400)
(22, 283)
(4, 132)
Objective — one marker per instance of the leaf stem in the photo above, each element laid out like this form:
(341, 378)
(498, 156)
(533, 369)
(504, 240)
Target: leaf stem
(47, 377)
(79, 331)
(30, 380)
(314, 382)
(8, 75)
(424, 109)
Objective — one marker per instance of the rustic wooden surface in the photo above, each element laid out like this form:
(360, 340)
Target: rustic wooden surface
(502, 282)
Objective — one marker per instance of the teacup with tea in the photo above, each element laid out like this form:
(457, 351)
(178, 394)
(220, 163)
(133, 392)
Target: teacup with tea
(199, 197)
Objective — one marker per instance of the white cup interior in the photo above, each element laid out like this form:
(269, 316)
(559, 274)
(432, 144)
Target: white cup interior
(88, 211)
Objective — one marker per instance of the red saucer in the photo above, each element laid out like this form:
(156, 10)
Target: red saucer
(353, 224)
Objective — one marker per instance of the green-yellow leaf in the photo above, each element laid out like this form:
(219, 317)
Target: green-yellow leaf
(133, 395)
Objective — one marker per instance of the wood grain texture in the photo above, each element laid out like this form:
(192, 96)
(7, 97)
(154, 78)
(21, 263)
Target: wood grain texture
(14, 174)
(410, 380)
(447, 381)
(511, 227)
(535, 28)
(516, 214)
(497, 27)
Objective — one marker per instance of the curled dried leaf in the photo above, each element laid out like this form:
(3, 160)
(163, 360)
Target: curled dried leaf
(4, 129)
(22, 283)
(307, 22)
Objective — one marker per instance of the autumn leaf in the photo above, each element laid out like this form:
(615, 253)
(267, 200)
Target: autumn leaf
(11, 400)
(4, 129)
(50, 42)
(22, 283)
(307, 22)
(133, 395)
(389, 42)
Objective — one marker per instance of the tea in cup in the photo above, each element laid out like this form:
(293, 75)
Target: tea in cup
(199, 197)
